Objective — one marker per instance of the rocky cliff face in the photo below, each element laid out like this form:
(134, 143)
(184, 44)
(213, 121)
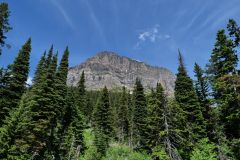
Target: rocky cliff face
(114, 71)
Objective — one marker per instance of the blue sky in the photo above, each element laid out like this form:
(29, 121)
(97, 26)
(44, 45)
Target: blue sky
(145, 30)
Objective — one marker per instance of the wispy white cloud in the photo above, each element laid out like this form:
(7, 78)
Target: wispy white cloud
(220, 15)
(150, 35)
(96, 22)
(64, 13)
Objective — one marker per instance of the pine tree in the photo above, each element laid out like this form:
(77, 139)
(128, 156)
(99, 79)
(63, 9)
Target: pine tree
(202, 90)
(102, 122)
(4, 24)
(234, 31)
(38, 134)
(73, 144)
(41, 69)
(225, 83)
(60, 85)
(155, 116)
(139, 116)
(16, 87)
(10, 132)
(173, 133)
(60, 89)
(123, 119)
(103, 113)
(5, 76)
(82, 99)
(186, 97)
(130, 117)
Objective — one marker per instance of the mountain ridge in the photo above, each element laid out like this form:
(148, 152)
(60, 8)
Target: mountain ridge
(113, 70)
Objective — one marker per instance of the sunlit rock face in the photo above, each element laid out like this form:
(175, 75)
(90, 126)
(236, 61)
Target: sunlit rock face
(114, 71)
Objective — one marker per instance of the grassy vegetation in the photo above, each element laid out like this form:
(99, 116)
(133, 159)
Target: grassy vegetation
(116, 151)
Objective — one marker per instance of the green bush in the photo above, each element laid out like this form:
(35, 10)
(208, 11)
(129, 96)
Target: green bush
(204, 150)
(122, 152)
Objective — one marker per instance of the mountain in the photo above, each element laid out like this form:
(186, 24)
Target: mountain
(114, 71)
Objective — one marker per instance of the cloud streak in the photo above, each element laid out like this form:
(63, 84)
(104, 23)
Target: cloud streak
(64, 13)
(150, 35)
(96, 22)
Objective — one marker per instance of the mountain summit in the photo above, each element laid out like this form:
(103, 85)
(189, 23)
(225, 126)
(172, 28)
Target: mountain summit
(114, 71)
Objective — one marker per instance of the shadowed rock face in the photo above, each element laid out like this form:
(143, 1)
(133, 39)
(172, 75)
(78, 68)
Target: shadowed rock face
(114, 71)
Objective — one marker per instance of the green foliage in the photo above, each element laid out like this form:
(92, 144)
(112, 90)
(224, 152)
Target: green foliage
(15, 85)
(73, 126)
(160, 153)
(225, 80)
(121, 152)
(234, 31)
(123, 119)
(103, 114)
(204, 150)
(223, 58)
(156, 116)
(235, 146)
(4, 23)
(139, 116)
(41, 69)
(102, 123)
(10, 132)
(82, 98)
(186, 97)
(202, 90)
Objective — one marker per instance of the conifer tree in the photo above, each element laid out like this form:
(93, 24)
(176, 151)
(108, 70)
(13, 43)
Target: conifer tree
(223, 59)
(16, 87)
(234, 31)
(130, 117)
(4, 24)
(40, 70)
(123, 118)
(222, 70)
(225, 83)
(73, 144)
(155, 116)
(38, 135)
(60, 85)
(102, 122)
(103, 113)
(139, 116)
(82, 99)
(186, 97)
(202, 90)
(10, 132)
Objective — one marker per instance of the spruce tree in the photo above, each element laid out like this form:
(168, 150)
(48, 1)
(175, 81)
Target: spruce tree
(123, 119)
(155, 116)
(40, 70)
(186, 97)
(130, 117)
(73, 144)
(234, 31)
(10, 132)
(223, 60)
(139, 116)
(102, 122)
(103, 113)
(82, 99)
(4, 24)
(17, 82)
(38, 137)
(222, 70)
(202, 90)
(60, 87)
